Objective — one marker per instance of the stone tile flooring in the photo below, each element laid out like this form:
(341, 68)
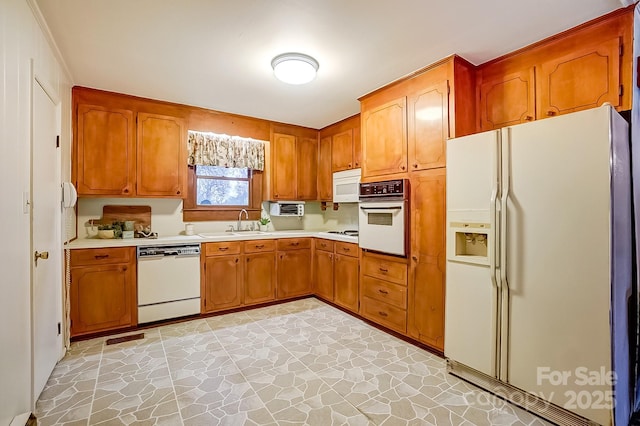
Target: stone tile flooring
(302, 362)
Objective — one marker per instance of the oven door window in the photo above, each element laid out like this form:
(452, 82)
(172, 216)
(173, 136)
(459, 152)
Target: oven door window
(380, 218)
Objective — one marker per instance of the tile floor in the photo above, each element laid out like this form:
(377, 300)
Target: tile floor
(301, 362)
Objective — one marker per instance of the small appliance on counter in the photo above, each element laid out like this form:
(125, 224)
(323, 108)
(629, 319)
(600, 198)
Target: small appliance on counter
(287, 208)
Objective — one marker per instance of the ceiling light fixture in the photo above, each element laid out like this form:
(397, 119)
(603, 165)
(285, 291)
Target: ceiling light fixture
(294, 68)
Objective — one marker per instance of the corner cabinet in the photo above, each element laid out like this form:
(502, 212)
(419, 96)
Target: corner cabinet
(405, 125)
(103, 295)
(123, 148)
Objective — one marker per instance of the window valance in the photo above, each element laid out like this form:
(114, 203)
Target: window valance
(211, 149)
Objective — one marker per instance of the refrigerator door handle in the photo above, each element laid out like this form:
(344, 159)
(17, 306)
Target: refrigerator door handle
(494, 214)
(504, 196)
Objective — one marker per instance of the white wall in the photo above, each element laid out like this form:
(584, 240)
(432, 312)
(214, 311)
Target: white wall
(166, 217)
(21, 41)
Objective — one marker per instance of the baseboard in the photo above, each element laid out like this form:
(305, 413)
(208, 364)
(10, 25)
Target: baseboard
(20, 419)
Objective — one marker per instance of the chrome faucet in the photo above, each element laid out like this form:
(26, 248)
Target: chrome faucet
(246, 215)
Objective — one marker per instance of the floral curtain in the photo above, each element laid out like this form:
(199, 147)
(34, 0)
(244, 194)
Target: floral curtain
(211, 149)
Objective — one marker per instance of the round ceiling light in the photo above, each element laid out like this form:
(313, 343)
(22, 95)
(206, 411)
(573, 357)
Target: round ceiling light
(294, 68)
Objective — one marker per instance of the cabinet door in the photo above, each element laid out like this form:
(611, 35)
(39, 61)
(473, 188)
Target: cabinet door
(106, 151)
(357, 148)
(103, 298)
(427, 273)
(428, 112)
(162, 156)
(384, 139)
(342, 151)
(586, 78)
(507, 100)
(223, 282)
(325, 176)
(346, 270)
(283, 167)
(323, 274)
(294, 273)
(307, 166)
(260, 278)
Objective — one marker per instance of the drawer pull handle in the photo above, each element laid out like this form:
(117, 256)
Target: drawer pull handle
(346, 249)
(101, 256)
(383, 291)
(383, 269)
(223, 248)
(259, 246)
(383, 314)
(294, 244)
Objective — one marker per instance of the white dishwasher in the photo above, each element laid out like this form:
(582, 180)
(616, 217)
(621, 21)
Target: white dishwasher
(168, 282)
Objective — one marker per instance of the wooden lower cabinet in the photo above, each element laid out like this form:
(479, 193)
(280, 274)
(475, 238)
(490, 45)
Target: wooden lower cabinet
(293, 268)
(103, 290)
(324, 274)
(346, 278)
(383, 284)
(259, 278)
(223, 283)
(428, 258)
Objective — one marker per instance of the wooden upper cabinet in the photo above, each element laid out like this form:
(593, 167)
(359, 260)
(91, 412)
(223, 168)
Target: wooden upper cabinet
(325, 175)
(581, 68)
(307, 166)
(507, 100)
(284, 162)
(162, 156)
(384, 138)
(357, 147)
(428, 113)
(585, 78)
(342, 151)
(106, 151)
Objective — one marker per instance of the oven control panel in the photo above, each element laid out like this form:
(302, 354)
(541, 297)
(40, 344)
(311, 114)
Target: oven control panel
(397, 188)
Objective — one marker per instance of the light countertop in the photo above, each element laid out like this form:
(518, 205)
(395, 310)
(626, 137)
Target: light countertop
(204, 238)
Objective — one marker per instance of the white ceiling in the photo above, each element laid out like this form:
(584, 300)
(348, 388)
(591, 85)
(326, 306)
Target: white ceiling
(217, 53)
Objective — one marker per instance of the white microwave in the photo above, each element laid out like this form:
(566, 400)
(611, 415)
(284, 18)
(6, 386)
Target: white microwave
(287, 208)
(346, 186)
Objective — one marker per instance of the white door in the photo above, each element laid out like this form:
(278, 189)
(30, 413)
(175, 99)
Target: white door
(45, 231)
(557, 252)
(471, 306)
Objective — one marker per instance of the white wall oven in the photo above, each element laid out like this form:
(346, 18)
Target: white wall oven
(384, 216)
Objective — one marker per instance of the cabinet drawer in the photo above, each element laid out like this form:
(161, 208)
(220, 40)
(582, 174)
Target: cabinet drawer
(258, 246)
(348, 249)
(102, 256)
(386, 270)
(217, 249)
(384, 314)
(385, 291)
(326, 245)
(294, 243)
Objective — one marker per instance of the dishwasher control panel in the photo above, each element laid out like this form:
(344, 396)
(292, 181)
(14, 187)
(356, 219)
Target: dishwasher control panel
(170, 250)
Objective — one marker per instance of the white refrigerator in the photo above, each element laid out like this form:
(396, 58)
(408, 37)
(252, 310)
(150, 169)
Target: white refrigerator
(539, 265)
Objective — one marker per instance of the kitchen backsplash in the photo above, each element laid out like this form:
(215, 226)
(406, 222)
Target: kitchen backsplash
(166, 217)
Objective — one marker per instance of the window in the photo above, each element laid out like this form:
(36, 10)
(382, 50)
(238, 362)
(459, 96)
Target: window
(222, 186)
(218, 193)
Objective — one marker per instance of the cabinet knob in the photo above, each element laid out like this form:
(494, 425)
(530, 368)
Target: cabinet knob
(124, 268)
(177, 192)
(415, 258)
(349, 165)
(330, 256)
(237, 260)
(357, 164)
(275, 195)
(551, 113)
(528, 118)
(126, 190)
(402, 167)
(415, 166)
